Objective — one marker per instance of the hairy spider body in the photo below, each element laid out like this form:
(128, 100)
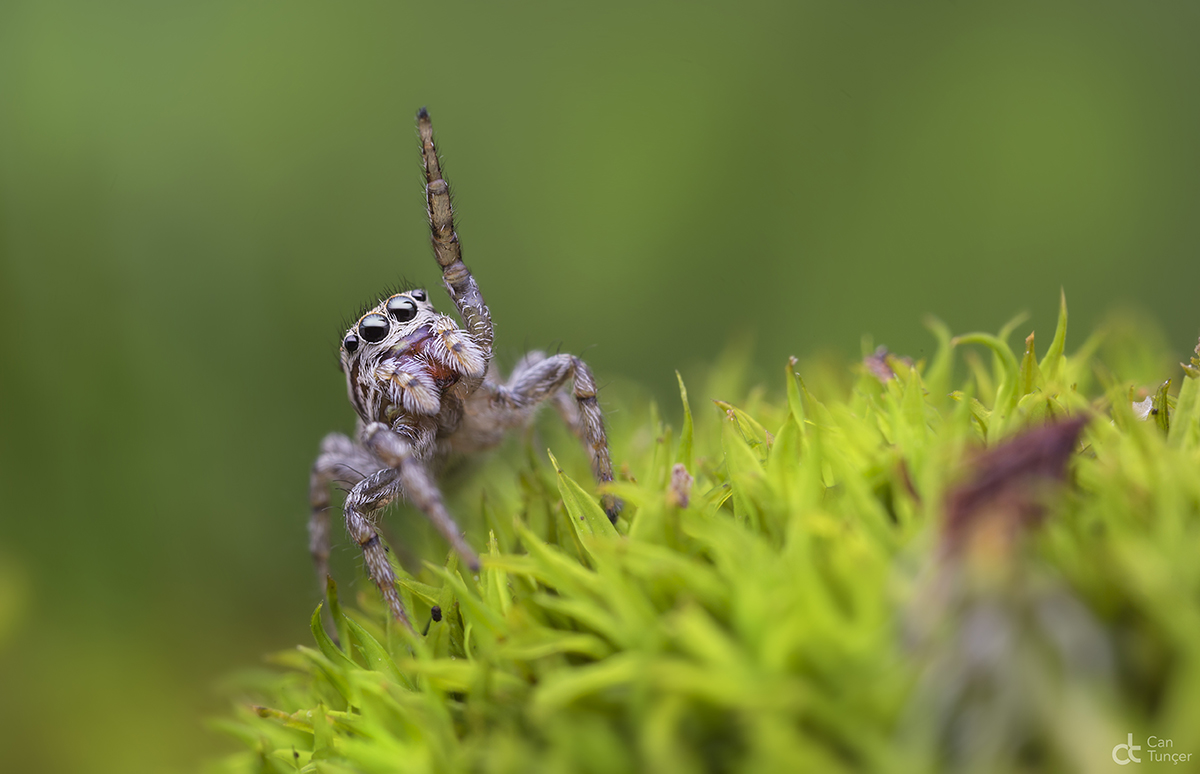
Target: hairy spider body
(424, 392)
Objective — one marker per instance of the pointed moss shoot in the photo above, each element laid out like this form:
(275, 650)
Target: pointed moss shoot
(981, 562)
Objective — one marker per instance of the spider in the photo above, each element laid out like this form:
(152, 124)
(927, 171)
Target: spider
(423, 391)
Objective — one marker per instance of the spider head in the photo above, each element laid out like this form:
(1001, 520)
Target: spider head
(381, 355)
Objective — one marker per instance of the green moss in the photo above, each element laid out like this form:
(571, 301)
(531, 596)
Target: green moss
(801, 606)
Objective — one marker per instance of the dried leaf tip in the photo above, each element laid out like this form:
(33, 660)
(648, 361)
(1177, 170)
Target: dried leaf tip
(876, 363)
(1004, 492)
(680, 491)
(1193, 370)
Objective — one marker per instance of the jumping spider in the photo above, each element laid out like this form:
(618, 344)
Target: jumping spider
(423, 392)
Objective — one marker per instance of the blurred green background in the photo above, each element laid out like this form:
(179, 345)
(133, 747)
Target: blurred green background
(193, 196)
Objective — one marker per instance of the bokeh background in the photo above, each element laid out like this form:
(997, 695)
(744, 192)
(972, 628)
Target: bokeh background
(193, 196)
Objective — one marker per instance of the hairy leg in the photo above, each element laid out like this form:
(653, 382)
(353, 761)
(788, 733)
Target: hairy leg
(340, 460)
(535, 380)
(463, 290)
(564, 404)
(418, 485)
(365, 499)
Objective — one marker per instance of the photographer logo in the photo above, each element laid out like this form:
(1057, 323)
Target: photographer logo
(1123, 754)
(1158, 748)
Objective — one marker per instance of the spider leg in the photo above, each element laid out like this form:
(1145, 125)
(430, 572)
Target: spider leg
(462, 287)
(564, 404)
(418, 484)
(535, 380)
(368, 496)
(340, 460)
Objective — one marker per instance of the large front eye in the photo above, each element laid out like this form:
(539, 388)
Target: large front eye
(373, 328)
(403, 309)
(350, 343)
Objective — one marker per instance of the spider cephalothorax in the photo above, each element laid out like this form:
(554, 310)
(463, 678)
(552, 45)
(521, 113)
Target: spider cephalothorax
(403, 358)
(423, 392)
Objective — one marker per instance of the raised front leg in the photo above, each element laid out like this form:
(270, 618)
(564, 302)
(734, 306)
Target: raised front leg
(463, 290)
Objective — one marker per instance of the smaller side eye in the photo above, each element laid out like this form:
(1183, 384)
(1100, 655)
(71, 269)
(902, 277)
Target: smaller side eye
(401, 308)
(350, 343)
(373, 328)
(419, 295)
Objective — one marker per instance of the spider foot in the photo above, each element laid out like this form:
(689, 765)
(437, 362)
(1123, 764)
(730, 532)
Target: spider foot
(612, 507)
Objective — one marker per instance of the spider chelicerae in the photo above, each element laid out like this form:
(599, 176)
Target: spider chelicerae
(424, 392)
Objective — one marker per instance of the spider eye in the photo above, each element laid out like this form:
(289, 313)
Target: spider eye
(373, 328)
(350, 343)
(401, 308)
(419, 295)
